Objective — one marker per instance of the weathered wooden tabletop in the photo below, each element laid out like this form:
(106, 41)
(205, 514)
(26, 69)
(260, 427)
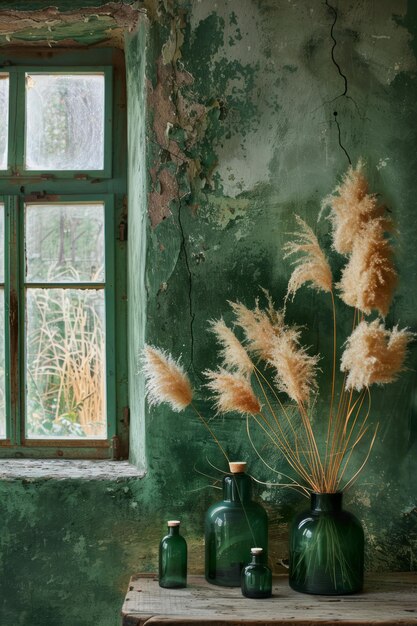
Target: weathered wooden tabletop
(387, 599)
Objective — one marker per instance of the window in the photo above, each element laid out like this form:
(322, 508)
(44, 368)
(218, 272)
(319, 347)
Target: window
(62, 195)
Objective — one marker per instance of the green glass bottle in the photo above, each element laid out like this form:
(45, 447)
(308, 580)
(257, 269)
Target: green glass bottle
(256, 581)
(232, 526)
(173, 558)
(326, 548)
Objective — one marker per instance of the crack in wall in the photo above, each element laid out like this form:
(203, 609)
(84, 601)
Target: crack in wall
(340, 138)
(335, 14)
(171, 54)
(344, 94)
(190, 283)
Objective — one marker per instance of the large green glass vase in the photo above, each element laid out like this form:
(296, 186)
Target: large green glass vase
(232, 527)
(326, 548)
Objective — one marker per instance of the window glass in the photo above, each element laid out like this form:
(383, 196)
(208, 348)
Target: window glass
(65, 364)
(65, 345)
(65, 242)
(4, 119)
(64, 121)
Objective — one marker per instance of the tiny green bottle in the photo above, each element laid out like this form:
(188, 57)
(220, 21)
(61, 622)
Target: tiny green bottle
(256, 579)
(173, 558)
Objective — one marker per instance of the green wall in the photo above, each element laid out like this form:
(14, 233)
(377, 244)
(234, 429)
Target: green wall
(239, 132)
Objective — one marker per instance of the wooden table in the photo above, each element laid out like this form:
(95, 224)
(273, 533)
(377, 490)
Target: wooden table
(388, 599)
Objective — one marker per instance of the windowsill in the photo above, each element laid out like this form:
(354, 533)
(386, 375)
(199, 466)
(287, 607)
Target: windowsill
(58, 469)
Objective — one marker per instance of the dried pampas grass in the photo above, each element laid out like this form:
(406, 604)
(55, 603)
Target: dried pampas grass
(311, 268)
(260, 326)
(352, 206)
(369, 279)
(232, 392)
(374, 354)
(233, 354)
(295, 368)
(165, 379)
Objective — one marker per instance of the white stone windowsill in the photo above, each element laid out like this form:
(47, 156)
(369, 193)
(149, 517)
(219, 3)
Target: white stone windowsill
(59, 469)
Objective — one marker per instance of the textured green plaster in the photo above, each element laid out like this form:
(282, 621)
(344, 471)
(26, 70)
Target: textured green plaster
(240, 115)
(271, 148)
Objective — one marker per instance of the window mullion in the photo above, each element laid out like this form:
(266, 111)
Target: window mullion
(16, 120)
(110, 318)
(20, 122)
(13, 312)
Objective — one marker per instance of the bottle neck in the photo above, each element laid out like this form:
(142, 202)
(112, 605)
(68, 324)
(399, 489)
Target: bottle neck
(326, 502)
(173, 530)
(237, 488)
(256, 559)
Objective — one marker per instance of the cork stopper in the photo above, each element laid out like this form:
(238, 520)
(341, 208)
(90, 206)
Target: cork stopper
(173, 522)
(238, 467)
(256, 551)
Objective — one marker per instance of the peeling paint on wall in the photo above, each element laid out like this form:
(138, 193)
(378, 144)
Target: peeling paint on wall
(105, 24)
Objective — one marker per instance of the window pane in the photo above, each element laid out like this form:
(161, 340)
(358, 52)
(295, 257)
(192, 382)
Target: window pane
(2, 371)
(64, 121)
(4, 119)
(64, 242)
(65, 364)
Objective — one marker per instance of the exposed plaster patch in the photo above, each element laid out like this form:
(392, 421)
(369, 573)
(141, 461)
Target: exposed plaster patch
(174, 115)
(171, 50)
(222, 211)
(159, 201)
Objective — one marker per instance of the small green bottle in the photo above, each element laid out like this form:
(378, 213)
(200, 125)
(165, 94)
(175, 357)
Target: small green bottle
(173, 558)
(256, 579)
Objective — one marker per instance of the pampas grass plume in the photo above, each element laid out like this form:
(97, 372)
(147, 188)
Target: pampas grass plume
(369, 279)
(260, 326)
(295, 368)
(165, 378)
(374, 354)
(232, 392)
(233, 354)
(313, 266)
(351, 207)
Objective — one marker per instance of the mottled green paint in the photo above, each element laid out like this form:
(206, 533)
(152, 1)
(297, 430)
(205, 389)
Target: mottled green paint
(268, 147)
(92, 31)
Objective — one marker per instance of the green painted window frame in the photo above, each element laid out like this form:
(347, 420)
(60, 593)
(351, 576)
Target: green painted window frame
(107, 186)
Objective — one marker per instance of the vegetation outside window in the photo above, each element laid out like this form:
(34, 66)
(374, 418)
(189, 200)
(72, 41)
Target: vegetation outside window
(62, 244)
